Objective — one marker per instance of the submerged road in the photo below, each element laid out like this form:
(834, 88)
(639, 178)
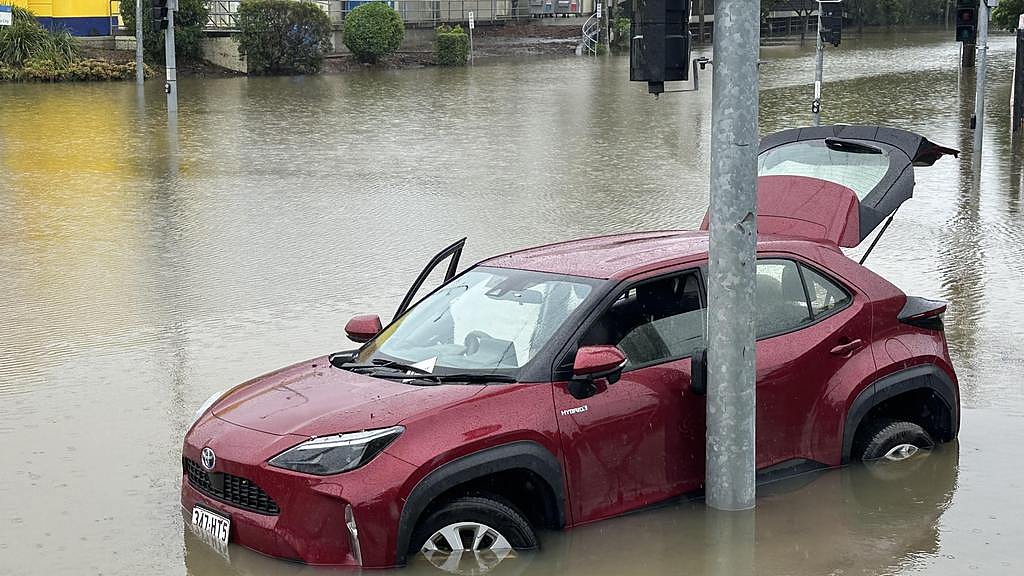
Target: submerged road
(140, 273)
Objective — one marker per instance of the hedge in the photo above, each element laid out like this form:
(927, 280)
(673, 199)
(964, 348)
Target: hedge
(189, 20)
(46, 70)
(282, 36)
(451, 46)
(373, 30)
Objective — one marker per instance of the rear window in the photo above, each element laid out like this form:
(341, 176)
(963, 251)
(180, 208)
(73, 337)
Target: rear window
(859, 171)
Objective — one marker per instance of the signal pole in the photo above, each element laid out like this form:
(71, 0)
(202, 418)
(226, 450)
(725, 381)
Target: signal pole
(819, 65)
(979, 95)
(171, 87)
(834, 32)
(731, 411)
(139, 69)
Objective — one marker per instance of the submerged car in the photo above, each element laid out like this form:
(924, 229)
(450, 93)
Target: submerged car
(559, 385)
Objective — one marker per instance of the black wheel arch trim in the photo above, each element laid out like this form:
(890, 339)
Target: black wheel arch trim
(923, 376)
(522, 454)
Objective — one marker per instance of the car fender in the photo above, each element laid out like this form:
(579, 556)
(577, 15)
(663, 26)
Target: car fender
(929, 376)
(521, 454)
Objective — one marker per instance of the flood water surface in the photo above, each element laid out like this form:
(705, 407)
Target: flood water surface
(142, 270)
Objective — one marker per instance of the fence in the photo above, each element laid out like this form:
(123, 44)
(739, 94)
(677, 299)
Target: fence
(417, 12)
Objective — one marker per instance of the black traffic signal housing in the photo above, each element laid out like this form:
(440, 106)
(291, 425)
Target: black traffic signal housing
(659, 47)
(831, 22)
(159, 14)
(967, 21)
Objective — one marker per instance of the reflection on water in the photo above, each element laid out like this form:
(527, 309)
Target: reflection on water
(141, 272)
(863, 520)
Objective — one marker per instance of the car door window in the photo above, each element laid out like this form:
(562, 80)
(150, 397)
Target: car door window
(654, 321)
(826, 295)
(781, 299)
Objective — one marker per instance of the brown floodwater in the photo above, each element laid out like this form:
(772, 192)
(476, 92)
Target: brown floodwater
(142, 270)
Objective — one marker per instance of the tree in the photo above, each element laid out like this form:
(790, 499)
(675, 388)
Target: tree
(189, 20)
(1006, 15)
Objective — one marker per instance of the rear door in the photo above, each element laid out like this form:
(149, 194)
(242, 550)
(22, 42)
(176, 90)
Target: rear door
(813, 331)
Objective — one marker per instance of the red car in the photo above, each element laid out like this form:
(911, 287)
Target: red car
(556, 386)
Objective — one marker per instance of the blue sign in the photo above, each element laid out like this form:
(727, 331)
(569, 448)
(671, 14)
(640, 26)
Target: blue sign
(6, 15)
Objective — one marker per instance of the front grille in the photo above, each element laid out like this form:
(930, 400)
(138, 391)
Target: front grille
(230, 489)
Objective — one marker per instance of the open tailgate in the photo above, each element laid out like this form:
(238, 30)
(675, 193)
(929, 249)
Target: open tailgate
(836, 183)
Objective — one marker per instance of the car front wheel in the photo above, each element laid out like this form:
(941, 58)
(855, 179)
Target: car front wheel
(473, 534)
(893, 441)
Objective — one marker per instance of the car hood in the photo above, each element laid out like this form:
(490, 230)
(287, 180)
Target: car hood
(314, 398)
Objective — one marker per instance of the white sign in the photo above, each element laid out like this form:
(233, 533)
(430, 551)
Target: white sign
(472, 22)
(6, 15)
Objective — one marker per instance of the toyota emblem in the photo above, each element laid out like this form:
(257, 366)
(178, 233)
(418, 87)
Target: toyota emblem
(208, 458)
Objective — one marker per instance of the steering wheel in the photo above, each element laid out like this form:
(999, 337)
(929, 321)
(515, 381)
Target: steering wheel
(472, 341)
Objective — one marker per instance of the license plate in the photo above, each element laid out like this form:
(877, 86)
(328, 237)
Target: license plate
(214, 527)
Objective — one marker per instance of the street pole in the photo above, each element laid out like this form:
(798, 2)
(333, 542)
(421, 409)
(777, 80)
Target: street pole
(139, 69)
(732, 246)
(979, 95)
(472, 24)
(1017, 88)
(700, 22)
(819, 62)
(171, 87)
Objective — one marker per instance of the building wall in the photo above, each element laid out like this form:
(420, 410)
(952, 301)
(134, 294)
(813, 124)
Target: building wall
(82, 17)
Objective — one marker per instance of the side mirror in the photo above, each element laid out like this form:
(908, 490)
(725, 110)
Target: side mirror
(363, 328)
(699, 372)
(593, 363)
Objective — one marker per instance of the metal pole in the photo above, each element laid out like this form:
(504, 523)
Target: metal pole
(819, 61)
(979, 95)
(700, 22)
(1017, 91)
(734, 138)
(140, 77)
(171, 87)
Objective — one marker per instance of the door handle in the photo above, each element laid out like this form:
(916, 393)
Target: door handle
(848, 348)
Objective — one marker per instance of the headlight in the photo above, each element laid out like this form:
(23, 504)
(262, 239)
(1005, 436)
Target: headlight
(338, 453)
(206, 406)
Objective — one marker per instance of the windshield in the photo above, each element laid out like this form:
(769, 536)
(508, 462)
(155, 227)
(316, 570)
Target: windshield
(486, 319)
(859, 167)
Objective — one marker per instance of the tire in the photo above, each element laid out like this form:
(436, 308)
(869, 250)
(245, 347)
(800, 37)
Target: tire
(499, 528)
(884, 436)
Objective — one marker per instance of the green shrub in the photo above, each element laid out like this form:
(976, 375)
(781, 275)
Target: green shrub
(451, 46)
(189, 20)
(373, 30)
(46, 70)
(25, 39)
(620, 29)
(282, 36)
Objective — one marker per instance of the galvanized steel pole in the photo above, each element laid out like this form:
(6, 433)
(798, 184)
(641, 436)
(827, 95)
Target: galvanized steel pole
(733, 228)
(139, 68)
(979, 95)
(818, 68)
(171, 87)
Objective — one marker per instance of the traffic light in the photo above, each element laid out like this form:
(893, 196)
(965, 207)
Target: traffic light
(831, 22)
(967, 21)
(159, 14)
(659, 49)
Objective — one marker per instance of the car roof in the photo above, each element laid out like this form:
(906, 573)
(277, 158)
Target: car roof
(622, 255)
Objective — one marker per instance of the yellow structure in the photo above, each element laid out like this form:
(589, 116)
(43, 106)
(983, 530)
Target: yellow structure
(82, 17)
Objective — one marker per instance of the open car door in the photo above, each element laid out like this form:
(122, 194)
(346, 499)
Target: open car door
(836, 183)
(452, 253)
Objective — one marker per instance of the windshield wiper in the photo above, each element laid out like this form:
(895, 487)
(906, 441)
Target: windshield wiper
(438, 378)
(471, 377)
(381, 363)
